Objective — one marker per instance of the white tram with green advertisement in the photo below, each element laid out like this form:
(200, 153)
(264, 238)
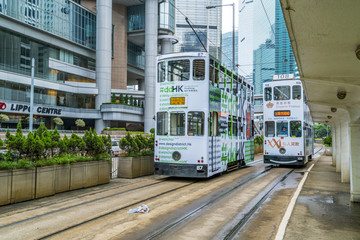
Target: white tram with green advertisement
(289, 134)
(204, 117)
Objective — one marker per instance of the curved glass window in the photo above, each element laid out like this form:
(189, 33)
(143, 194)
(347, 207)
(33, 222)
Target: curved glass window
(282, 93)
(161, 72)
(196, 123)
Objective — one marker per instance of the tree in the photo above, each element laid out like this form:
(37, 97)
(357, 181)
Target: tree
(113, 98)
(58, 121)
(126, 99)
(17, 142)
(131, 101)
(129, 145)
(3, 118)
(121, 98)
(1, 143)
(63, 145)
(80, 123)
(42, 128)
(321, 130)
(76, 144)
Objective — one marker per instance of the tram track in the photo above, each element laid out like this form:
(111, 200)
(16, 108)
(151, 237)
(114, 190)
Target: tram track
(206, 204)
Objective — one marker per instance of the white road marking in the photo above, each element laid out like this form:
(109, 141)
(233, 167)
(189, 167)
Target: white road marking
(282, 227)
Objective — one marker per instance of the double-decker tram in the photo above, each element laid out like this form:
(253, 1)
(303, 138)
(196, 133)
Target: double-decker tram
(204, 117)
(288, 138)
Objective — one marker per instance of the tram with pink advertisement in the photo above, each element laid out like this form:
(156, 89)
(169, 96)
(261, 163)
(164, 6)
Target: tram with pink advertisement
(289, 134)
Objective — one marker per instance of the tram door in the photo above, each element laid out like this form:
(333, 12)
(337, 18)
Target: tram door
(214, 144)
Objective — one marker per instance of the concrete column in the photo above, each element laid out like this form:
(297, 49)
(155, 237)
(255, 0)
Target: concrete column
(166, 45)
(338, 147)
(151, 32)
(103, 56)
(334, 147)
(354, 130)
(345, 149)
(141, 84)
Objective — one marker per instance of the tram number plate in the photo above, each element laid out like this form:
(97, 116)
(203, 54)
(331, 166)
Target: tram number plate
(177, 101)
(199, 168)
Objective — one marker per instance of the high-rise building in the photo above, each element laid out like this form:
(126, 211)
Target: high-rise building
(206, 22)
(88, 55)
(227, 49)
(264, 45)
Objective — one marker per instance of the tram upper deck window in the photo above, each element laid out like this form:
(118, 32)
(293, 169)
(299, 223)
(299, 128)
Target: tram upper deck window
(161, 72)
(177, 124)
(162, 123)
(269, 129)
(179, 70)
(196, 123)
(295, 128)
(296, 92)
(199, 69)
(282, 93)
(268, 94)
(282, 129)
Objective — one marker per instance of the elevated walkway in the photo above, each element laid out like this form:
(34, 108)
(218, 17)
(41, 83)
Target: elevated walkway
(323, 209)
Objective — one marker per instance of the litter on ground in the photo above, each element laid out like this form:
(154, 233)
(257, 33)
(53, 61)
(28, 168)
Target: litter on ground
(142, 209)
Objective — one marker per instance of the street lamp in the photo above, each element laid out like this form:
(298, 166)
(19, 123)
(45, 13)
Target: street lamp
(233, 37)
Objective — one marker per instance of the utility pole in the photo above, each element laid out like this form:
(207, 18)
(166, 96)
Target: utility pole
(32, 95)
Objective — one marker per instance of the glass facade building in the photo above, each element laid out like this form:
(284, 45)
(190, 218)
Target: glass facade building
(206, 22)
(264, 44)
(65, 19)
(227, 48)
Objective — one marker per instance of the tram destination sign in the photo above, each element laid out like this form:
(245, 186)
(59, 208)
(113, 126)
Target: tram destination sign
(284, 113)
(177, 101)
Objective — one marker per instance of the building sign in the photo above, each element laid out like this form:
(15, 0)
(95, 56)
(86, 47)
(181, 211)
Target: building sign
(23, 108)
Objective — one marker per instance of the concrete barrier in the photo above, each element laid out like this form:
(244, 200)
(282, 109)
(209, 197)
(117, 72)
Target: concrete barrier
(5, 187)
(62, 178)
(91, 174)
(77, 175)
(45, 181)
(22, 185)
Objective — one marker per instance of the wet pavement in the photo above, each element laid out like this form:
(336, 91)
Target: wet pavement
(323, 209)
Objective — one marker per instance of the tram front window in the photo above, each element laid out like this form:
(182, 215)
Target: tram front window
(282, 92)
(162, 123)
(177, 124)
(199, 69)
(295, 128)
(179, 70)
(282, 129)
(196, 123)
(269, 129)
(296, 92)
(268, 94)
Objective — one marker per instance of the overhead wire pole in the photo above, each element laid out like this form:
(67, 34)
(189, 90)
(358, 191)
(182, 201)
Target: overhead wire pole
(187, 20)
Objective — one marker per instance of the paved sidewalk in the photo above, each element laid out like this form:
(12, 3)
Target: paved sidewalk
(323, 209)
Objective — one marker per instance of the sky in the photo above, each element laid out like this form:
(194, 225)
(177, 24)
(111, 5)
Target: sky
(227, 16)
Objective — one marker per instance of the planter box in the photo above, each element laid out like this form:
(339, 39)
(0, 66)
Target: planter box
(146, 165)
(91, 173)
(132, 167)
(77, 175)
(5, 187)
(328, 151)
(129, 167)
(45, 181)
(23, 185)
(62, 178)
(104, 172)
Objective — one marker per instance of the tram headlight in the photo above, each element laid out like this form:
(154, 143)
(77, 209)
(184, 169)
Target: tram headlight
(176, 156)
(282, 150)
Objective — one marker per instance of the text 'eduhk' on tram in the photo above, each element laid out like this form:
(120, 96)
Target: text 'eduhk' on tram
(204, 117)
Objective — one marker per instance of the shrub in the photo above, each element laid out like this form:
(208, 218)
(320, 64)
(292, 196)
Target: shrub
(58, 121)
(113, 98)
(80, 123)
(152, 130)
(129, 145)
(3, 118)
(259, 140)
(121, 98)
(76, 144)
(328, 141)
(1, 143)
